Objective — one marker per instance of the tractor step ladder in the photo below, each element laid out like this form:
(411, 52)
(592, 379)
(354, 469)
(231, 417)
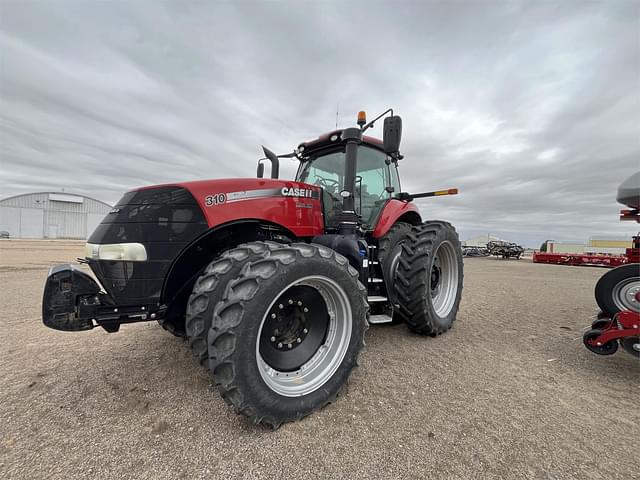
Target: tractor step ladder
(376, 298)
(377, 319)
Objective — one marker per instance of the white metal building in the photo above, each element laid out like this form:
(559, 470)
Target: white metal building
(565, 247)
(51, 215)
(481, 240)
(607, 245)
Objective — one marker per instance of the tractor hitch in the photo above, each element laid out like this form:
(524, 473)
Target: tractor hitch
(73, 301)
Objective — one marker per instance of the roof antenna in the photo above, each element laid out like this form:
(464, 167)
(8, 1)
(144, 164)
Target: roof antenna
(337, 114)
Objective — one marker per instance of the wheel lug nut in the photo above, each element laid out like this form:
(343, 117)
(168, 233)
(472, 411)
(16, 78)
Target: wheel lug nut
(290, 346)
(290, 302)
(305, 309)
(281, 306)
(273, 339)
(299, 340)
(280, 345)
(299, 303)
(305, 331)
(273, 315)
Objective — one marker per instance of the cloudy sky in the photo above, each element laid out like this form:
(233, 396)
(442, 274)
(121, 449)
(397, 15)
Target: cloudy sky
(532, 109)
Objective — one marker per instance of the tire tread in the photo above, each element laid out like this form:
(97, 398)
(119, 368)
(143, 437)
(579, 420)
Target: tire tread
(223, 338)
(412, 278)
(203, 297)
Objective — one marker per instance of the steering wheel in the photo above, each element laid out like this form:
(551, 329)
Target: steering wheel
(326, 182)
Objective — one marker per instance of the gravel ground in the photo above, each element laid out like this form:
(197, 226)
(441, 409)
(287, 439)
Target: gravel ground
(510, 392)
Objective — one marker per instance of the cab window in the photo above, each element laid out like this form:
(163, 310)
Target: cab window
(373, 176)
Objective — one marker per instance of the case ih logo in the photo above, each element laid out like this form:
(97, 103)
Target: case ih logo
(297, 192)
(222, 198)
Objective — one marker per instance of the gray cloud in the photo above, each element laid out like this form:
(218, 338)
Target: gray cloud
(532, 109)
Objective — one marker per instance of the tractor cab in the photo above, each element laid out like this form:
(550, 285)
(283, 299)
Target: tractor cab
(322, 163)
(357, 173)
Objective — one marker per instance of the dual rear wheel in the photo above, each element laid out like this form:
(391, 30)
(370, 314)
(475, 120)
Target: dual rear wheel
(423, 271)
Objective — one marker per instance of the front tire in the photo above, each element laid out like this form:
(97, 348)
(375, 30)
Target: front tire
(209, 290)
(429, 278)
(288, 333)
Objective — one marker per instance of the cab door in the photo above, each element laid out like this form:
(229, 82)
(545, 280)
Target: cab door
(375, 184)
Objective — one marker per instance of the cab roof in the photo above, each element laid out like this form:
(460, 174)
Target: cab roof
(325, 140)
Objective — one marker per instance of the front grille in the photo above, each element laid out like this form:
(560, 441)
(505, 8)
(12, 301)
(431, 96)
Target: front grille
(165, 220)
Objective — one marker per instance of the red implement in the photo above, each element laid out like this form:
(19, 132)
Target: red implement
(625, 324)
(624, 328)
(580, 259)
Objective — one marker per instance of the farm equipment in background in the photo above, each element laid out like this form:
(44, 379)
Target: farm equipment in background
(618, 291)
(580, 259)
(273, 282)
(473, 251)
(505, 250)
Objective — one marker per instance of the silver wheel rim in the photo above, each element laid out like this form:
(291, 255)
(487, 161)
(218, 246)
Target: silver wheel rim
(323, 364)
(395, 261)
(443, 294)
(624, 294)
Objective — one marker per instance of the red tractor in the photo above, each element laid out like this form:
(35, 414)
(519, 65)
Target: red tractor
(273, 282)
(618, 291)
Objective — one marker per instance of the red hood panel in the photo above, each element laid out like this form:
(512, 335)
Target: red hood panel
(293, 205)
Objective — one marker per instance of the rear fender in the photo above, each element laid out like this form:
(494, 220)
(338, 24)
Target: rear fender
(396, 211)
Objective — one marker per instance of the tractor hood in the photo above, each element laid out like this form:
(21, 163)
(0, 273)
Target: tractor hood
(133, 248)
(211, 193)
(293, 205)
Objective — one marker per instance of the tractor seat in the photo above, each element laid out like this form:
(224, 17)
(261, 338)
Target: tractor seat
(369, 206)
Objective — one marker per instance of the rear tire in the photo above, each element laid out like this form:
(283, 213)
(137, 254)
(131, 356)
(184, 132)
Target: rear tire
(617, 289)
(209, 290)
(262, 360)
(388, 244)
(430, 277)
(389, 250)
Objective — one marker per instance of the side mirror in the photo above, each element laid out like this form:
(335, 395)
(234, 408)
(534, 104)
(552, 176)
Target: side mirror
(260, 169)
(392, 133)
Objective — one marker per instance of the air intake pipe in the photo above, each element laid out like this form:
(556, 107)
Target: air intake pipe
(349, 219)
(275, 163)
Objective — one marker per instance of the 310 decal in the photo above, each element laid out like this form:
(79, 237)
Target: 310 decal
(215, 199)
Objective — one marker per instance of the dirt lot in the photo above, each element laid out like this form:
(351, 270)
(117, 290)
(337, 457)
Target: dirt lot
(510, 392)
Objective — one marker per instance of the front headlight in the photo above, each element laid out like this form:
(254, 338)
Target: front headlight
(130, 252)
